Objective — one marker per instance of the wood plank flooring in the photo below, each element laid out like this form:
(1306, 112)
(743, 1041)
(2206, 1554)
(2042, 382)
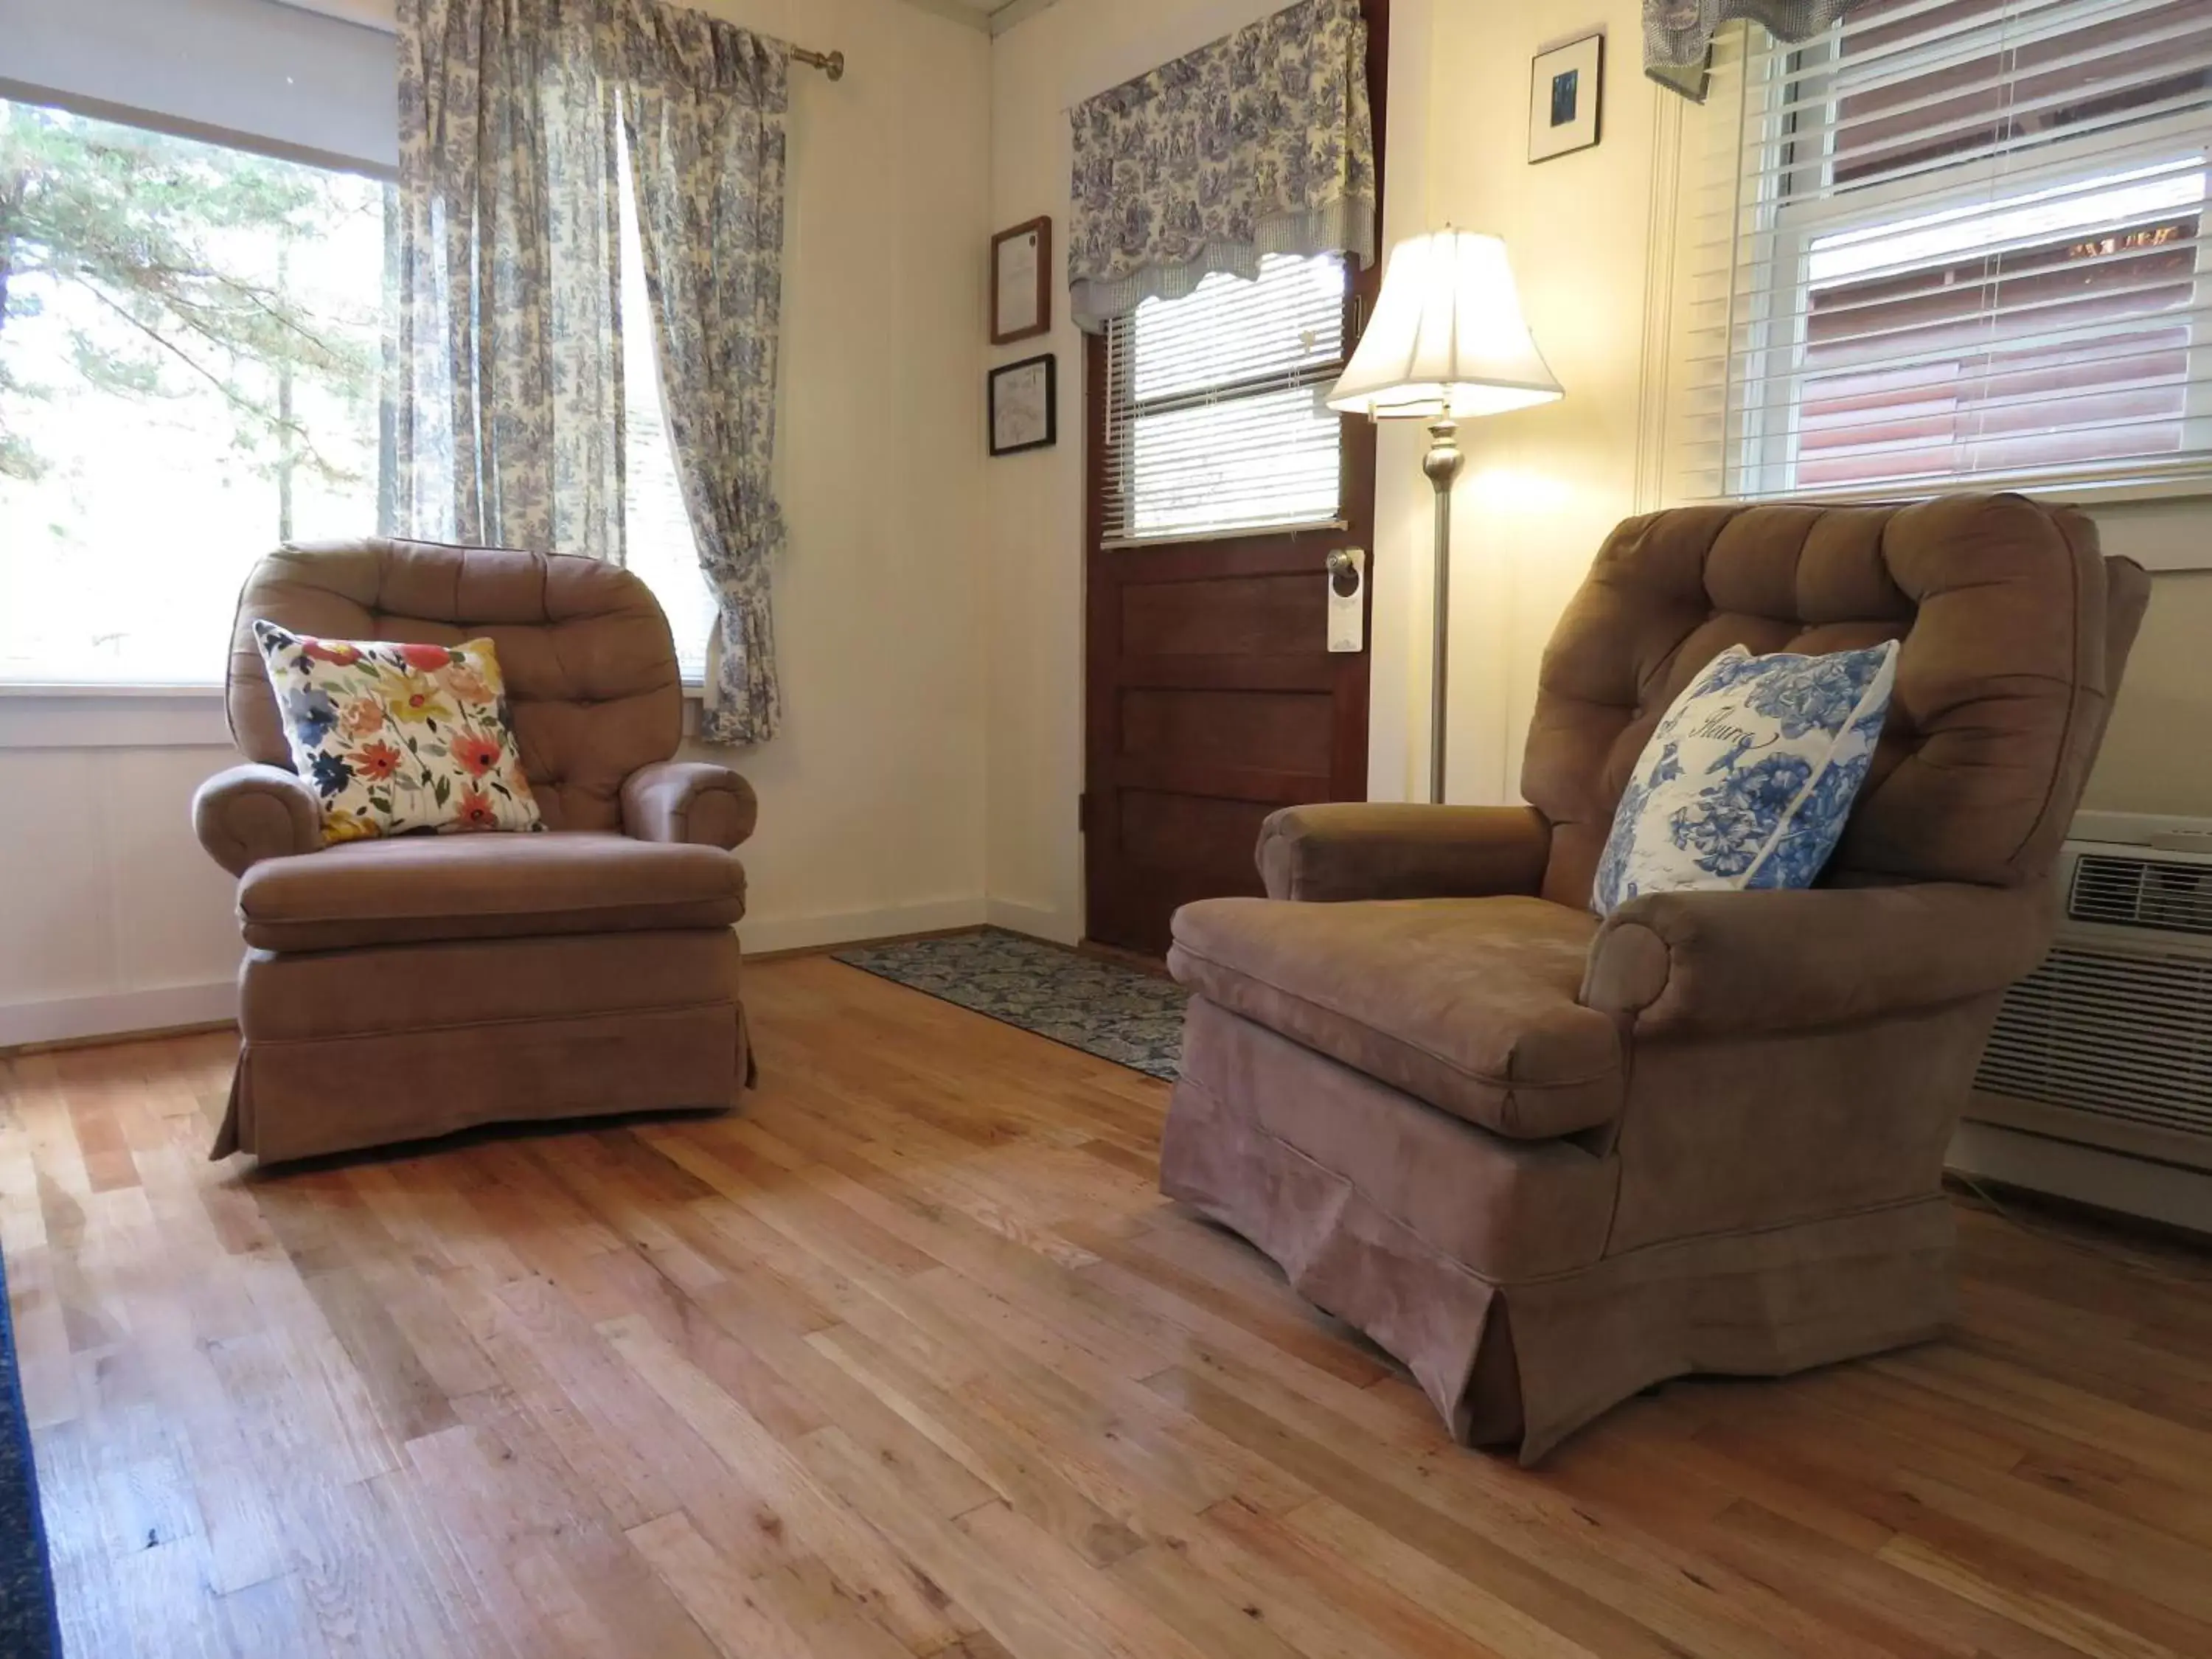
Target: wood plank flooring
(910, 1359)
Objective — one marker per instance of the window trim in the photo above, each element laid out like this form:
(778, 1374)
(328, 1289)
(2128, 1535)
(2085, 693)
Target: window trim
(77, 718)
(199, 132)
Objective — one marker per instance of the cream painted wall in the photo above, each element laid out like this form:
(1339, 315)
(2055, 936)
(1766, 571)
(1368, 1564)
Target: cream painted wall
(871, 799)
(871, 818)
(1033, 620)
(1539, 489)
(1544, 486)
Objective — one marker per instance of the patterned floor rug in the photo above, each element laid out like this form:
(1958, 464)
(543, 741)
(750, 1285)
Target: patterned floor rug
(1122, 1014)
(27, 1629)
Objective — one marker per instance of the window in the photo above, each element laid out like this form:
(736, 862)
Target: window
(1215, 422)
(190, 351)
(1964, 245)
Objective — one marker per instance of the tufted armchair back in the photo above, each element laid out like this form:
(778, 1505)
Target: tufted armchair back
(589, 662)
(2014, 632)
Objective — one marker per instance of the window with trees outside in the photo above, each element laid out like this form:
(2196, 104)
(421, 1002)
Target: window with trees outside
(1965, 243)
(191, 352)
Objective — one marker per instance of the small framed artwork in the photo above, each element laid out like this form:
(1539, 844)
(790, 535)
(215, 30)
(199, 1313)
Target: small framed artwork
(1025, 405)
(1564, 97)
(1021, 281)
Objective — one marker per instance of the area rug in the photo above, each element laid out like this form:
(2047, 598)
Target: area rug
(1122, 1014)
(28, 1628)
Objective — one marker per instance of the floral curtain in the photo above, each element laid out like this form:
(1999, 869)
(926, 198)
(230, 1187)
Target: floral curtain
(508, 363)
(702, 107)
(1259, 144)
(1678, 33)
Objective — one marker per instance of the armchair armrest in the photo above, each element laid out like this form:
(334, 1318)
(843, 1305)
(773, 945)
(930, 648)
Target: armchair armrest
(690, 801)
(1715, 963)
(253, 812)
(1366, 850)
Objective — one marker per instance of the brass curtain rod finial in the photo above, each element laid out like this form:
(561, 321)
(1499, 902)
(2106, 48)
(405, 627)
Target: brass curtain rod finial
(831, 64)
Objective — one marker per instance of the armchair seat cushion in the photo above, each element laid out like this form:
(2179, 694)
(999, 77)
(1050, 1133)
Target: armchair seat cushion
(412, 890)
(1467, 1003)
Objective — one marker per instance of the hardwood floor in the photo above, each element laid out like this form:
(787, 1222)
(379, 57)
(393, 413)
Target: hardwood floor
(911, 1358)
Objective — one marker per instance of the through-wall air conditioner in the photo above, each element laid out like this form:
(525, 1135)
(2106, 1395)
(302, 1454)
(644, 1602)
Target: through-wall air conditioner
(2108, 1045)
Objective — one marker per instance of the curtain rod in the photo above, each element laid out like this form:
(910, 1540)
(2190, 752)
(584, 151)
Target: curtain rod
(831, 64)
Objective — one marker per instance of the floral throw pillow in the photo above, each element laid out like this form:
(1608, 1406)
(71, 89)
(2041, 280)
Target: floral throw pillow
(1750, 775)
(396, 738)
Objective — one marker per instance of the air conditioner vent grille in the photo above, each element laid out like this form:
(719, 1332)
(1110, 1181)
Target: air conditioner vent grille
(2123, 1037)
(2118, 891)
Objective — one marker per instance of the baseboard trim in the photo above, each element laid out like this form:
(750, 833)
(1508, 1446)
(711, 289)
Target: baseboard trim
(2163, 1193)
(123, 1013)
(69, 1019)
(778, 935)
(1037, 920)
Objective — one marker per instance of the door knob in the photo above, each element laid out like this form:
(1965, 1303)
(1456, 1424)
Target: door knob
(1347, 610)
(1344, 571)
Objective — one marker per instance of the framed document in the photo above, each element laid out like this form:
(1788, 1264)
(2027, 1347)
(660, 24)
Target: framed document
(1021, 281)
(1025, 405)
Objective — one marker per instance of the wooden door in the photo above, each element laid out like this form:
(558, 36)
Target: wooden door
(1212, 696)
(1214, 699)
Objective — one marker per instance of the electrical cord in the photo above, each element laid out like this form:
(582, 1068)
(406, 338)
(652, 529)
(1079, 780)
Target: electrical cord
(2005, 1212)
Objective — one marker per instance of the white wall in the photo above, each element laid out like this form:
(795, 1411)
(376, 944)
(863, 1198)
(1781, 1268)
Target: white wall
(1542, 486)
(1040, 69)
(871, 798)
(111, 918)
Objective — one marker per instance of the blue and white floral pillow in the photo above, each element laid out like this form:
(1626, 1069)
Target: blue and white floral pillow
(1748, 780)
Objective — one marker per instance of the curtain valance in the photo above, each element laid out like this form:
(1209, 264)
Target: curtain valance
(1261, 142)
(1678, 33)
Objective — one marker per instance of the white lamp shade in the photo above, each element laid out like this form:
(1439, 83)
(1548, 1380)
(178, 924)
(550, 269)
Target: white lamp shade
(1447, 336)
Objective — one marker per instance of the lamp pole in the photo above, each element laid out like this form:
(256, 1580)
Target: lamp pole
(1447, 340)
(1442, 464)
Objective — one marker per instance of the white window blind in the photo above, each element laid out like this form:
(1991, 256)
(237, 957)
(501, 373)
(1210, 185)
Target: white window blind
(1214, 419)
(1961, 241)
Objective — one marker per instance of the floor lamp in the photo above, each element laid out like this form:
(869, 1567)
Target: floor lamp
(1447, 342)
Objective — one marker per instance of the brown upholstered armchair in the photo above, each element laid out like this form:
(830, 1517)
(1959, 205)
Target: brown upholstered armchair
(405, 988)
(1548, 1161)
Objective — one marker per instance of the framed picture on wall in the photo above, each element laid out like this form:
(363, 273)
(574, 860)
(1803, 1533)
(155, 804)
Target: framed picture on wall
(1564, 97)
(1025, 405)
(1021, 281)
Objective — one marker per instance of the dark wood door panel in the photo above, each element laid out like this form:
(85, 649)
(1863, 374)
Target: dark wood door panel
(1301, 672)
(1272, 731)
(1209, 838)
(1214, 700)
(1273, 613)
